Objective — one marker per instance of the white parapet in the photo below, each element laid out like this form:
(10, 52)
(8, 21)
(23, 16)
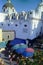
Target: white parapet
(6, 35)
(2, 17)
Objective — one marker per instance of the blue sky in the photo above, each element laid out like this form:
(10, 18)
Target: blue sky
(22, 4)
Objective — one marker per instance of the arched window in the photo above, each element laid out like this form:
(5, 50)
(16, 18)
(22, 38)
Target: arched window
(14, 16)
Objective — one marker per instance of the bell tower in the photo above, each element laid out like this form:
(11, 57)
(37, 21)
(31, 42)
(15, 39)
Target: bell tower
(40, 7)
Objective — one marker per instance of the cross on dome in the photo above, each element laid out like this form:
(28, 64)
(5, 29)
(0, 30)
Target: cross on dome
(9, 1)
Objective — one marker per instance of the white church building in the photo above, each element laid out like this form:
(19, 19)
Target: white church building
(26, 25)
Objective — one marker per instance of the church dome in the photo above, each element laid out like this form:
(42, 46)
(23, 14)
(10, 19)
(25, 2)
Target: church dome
(8, 4)
(8, 7)
(41, 4)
